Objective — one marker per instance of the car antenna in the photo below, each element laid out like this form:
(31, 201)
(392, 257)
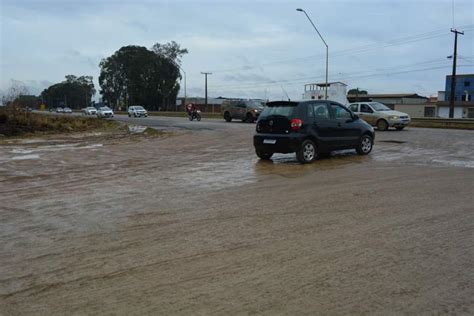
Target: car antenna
(285, 92)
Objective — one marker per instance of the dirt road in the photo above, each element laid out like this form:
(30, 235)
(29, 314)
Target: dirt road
(195, 224)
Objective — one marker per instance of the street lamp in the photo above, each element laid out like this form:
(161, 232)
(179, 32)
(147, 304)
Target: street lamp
(327, 51)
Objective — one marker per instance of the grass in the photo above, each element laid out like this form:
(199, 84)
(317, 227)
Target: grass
(15, 121)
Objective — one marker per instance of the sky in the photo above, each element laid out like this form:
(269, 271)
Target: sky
(254, 49)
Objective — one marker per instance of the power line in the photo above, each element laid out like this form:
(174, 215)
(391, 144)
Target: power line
(355, 50)
(298, 81)
(435, 61)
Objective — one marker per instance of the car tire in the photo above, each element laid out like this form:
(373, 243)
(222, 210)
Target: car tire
(365, 145)
(382, 125)
(264, 155)
(227, 117)
(400, 128)
(129, 115)
(307, 152)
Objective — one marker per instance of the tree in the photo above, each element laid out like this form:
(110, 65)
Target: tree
(16, 90)
(136, 75)
(74, 92)
(171, 51)
(356, 92)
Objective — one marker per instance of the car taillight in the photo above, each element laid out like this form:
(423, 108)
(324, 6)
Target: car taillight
(296, 124)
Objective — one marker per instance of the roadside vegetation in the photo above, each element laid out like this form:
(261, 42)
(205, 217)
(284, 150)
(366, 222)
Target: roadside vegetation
(16, 121)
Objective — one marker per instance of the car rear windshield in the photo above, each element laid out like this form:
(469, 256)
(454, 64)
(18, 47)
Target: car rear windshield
(281, 109)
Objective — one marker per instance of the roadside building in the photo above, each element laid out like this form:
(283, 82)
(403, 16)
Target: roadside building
(316, 91)
(463, 97)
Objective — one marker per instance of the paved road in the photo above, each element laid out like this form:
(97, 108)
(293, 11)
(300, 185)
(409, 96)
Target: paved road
(161, 122)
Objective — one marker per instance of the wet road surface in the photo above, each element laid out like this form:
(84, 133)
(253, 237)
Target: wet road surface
(194, 223)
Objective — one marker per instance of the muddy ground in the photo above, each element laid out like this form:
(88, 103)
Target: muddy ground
(194, 223)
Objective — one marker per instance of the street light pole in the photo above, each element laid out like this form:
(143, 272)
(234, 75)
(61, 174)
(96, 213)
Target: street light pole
(327, 51)
(205, 74)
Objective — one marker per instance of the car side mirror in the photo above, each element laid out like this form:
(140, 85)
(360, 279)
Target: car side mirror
(355, 117)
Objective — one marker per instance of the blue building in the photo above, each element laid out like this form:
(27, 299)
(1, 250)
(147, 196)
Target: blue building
(464, 88)
(463, 97)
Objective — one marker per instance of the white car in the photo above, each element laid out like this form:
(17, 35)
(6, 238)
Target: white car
(89, 111)
(137, 111)
(67, 110)
(59, 110)
(105, 112)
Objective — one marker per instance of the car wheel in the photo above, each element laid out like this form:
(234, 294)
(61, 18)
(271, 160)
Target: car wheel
(400, 128)
(382, 125)
(264, 155)
(227, 117)
(365, 145)
(307, 152)
(129, 115)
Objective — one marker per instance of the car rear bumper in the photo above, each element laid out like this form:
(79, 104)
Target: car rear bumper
(282, 143)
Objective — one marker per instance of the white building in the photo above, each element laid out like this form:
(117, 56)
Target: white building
(316, 91)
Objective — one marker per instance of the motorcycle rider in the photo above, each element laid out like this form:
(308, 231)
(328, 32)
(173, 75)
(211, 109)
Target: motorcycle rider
(192, 110)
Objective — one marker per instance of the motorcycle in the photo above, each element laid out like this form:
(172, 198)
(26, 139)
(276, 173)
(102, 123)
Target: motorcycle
(195, 115)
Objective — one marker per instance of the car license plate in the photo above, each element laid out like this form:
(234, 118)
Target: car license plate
(269, 141)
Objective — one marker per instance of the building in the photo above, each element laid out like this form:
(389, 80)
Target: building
(389, 99)
(463, 97)
(316, 91)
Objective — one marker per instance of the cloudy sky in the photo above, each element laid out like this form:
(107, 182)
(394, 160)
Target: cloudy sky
(253, 48)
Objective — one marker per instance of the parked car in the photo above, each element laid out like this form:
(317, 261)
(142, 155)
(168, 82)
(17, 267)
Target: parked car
(89, 111)
(137, 111)
(59, 110)
(67, 110)
(105, 111)
(310, 128)
(378, 114)
(245, 110)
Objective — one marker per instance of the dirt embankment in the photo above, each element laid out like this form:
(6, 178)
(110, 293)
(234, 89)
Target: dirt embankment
(18, 122)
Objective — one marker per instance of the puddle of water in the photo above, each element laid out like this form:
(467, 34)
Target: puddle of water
(26, 157)
(21, 151)
(136, 129)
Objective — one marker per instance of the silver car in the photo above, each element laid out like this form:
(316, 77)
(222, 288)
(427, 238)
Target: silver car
(137, 111)
(89, 111)
(378, 114)
(105, 112)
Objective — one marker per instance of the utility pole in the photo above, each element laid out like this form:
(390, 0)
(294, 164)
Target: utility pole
(453, 78)
(205, 74)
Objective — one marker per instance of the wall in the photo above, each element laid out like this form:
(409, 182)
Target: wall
(443, 111)
(414, 110)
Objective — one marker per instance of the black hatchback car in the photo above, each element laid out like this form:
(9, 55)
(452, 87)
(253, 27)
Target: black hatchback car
(310, 128)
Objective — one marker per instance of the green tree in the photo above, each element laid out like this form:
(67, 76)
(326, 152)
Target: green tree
(136, 75)
(74, 92)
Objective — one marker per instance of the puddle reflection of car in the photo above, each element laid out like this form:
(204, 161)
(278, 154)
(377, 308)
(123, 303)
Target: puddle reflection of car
(310, 128)
(245, 110)
(105, 112)
(67, 110)
(89, 111)
(137, 111)
(378, 114)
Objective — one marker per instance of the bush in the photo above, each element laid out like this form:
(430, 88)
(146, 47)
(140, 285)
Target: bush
(15, 121)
